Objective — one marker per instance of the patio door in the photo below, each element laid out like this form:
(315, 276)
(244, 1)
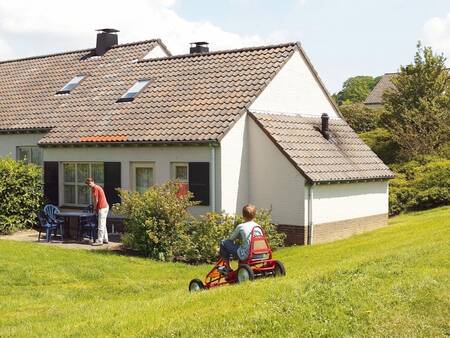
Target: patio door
(142, 176)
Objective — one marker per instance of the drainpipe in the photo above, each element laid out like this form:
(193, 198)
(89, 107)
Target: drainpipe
(213, 178)
(310, 219)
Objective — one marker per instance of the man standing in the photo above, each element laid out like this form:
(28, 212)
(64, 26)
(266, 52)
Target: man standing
(101, 208)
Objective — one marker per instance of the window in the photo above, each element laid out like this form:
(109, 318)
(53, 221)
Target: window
(180, 173)
(193, 177)
(74, 174)
(142, 176)
(134, 91)
(71, 84)
(30, 154)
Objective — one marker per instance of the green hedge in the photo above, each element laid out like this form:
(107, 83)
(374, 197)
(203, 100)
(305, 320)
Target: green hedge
(21, 193)
(381, 143)
(158, 225)
(420, 184)
(361, 118)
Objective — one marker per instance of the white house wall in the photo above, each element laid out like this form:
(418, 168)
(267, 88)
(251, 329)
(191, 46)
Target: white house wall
(161, 157)
(294, 90)
(234, 167)
(156, 52)
(274, 183)
(336, 202)
(10, 142)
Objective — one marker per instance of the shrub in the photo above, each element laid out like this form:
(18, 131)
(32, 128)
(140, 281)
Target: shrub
(204, 234)
(158, 225)
(21, 195)
(379, 140)
(359, 117)
(420, 184)
(443, 151)
(155, 220)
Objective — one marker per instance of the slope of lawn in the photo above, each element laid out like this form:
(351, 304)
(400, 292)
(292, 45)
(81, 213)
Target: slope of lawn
(391, 282)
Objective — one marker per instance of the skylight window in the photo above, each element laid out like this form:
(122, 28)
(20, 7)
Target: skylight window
(71, 84)
(134, 91)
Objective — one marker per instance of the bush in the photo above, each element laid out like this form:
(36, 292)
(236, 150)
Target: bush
(360, 118)
(21, 195)
(380, 141)
(159, 226)
(204, 234)
(443, 151)
(420, 184)
(154, 220)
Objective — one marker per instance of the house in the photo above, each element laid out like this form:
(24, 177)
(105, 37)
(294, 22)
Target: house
(236, 126)
(375, 98)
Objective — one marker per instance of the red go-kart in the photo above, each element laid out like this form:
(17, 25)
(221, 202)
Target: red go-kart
(259, 263)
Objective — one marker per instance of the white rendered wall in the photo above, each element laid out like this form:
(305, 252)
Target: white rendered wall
(294, 90)
(274, 183)
(234, 167)
(10, 142)
(336, 202)
(156, 52)
(161, 157)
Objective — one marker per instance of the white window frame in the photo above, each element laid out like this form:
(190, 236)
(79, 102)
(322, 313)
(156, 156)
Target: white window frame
(71, 85)
(134, 166)
(134, 90)
(29, 157)
(173, 166)
(76, 183)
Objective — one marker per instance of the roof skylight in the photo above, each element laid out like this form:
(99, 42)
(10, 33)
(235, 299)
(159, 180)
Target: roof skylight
(134, 91)
(71, 84)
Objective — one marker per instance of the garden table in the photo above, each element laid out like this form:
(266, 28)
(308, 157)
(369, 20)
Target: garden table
(115, 222)
(68, 216)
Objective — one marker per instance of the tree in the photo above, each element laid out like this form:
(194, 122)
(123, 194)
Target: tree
(417, 108)
(356, 89)
(359, 117)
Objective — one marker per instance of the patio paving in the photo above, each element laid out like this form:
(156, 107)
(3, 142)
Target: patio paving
(32, 236)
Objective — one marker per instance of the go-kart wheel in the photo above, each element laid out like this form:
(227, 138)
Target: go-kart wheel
(245, 273)
(196, 285)
(279, 269)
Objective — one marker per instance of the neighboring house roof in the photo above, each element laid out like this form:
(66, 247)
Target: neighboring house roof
(345, 157)
(376, 95)
(190, 98)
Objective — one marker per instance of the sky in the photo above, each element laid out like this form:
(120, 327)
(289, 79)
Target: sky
(342, 38)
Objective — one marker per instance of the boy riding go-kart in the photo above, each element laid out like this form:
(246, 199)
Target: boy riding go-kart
(254, 254)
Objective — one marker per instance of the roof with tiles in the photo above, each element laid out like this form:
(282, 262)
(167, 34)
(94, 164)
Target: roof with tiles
(376, 95)
(344, 157)
(190, 98)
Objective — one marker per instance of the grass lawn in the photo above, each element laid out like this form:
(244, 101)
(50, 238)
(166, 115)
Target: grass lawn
(391, 282)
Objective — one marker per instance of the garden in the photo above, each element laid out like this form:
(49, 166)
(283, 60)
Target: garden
(157, 222)
(389, 282)
(411, 132)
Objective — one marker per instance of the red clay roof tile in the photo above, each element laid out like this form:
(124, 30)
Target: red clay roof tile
(104, 138)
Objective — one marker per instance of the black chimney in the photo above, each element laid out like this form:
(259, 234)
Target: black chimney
(106, 38)
(325, 128)
(199, 47)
